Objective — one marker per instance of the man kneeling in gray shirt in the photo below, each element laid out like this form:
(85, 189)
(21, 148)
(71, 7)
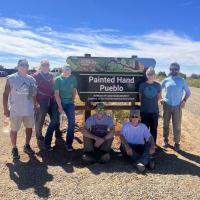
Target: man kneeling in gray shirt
(98, 136)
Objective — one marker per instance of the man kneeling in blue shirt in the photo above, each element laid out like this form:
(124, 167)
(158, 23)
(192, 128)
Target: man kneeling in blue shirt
(137, 142)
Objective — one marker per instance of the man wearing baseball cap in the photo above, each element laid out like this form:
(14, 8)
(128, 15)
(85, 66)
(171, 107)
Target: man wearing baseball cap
(18, 102)
(137, 142)
(173, 102)
(98, 136)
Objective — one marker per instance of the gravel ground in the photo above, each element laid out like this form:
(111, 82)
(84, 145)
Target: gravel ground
(62, 175)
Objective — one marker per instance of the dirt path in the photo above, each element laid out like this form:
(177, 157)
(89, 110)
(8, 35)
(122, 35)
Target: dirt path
(62, 175)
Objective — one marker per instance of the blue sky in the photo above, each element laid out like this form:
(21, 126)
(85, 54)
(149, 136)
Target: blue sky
(167, 30)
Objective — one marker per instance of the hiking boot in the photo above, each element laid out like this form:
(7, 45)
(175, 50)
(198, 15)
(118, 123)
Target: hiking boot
(105, 158)
(15, 153)
(48, 148)
(69, 148)
(28, 150)
(177, 147)
(88, 157)
(165, 143)
(140, 167)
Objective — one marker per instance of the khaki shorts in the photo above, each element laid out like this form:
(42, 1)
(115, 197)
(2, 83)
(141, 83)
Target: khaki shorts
(16, 121)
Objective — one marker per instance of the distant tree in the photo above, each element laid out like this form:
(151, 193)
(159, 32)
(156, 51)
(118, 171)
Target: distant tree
(195, 76)
(182, 75)
(162, 74)
(2, 67)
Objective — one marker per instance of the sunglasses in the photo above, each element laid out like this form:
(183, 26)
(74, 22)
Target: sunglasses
(174, 69)
(100, 109)
(45, 65)
(24, 65)
(135, 116)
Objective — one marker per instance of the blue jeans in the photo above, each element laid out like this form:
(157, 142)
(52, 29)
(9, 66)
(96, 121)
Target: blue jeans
(140, 152)
(54, 123)
(69, 110)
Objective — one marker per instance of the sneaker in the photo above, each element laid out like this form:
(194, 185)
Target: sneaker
(69, 148)
(15, 153)
(28, 150)
(88, 158)
(140, 167)
(177, 147)
(105, 158)
(48, 147)
(40, 138)
(165, 143)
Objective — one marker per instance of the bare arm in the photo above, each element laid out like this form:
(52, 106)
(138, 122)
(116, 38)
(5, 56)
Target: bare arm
(87, 134)
(74, 94)
(123, 140)
(159, 95)
(110, 135)
(5, 98)
(58, 101)
(129, 150)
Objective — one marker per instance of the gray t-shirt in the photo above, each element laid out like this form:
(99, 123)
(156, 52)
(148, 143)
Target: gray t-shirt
(149, 100)
(21, 95)
(99, 127)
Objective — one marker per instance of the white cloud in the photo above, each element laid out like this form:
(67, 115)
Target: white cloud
(44, 42)
(12, 23)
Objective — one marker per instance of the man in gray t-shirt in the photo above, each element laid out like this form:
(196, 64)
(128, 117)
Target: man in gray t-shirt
(18, 103)
(98, 136)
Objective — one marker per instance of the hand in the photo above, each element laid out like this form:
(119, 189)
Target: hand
(7, 113)
(162, 101)
(60, 109)
(183, 104)
(98, 142)
(129, 151)
(36, 105)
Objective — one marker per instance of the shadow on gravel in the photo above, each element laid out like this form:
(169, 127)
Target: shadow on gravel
(190, 156)
(31, 174)
(165, 163)
(34, 174)
(172, 164)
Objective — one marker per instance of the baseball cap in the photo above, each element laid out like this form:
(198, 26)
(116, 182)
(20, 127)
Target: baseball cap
(174, 66)
(100, 106)
(23, 63)
(135, 112)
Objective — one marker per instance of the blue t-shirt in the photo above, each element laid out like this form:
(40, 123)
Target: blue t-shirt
(99, 127)
(149, 98)
(175, 87)
(135, 135)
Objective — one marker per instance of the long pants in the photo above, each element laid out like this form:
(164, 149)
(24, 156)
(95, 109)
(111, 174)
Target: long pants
(140, 152)
(46, 107)
(89, 145)
(151, 121)
(54, 123)
(69, 110)
(174, 112)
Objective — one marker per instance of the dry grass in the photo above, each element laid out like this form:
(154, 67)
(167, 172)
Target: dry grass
(62, 175)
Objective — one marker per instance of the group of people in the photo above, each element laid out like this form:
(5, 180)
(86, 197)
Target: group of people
(28, 99)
